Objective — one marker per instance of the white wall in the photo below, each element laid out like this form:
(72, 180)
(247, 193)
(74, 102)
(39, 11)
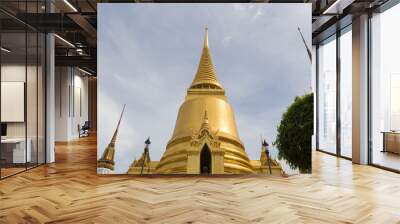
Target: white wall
(71, 102)
(80, 109)
(62, 81)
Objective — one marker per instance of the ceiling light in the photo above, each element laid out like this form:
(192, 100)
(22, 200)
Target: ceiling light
(79, 51)
(70, 5)
(5, 50)
(64, 40)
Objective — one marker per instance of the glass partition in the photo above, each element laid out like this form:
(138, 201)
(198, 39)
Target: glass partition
(385, 89)
(14, 155)
(346, 92)
(327, 95)
(31, 99)
(22, 90)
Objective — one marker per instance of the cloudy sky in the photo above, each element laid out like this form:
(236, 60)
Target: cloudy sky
(148, 55)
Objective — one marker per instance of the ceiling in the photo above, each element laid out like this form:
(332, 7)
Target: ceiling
(75, 22)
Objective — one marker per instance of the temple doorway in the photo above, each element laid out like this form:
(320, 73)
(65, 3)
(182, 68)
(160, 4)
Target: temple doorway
(205, 160)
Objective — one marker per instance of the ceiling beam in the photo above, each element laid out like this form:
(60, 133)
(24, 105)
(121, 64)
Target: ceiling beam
(86, 26)
(81, 61)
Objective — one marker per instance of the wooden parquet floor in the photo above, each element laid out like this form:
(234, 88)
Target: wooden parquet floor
(69, 191)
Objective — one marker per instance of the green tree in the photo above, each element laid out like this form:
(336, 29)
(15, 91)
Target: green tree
(295, 132)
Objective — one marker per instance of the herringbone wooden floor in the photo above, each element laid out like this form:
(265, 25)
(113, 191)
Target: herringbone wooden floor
(69, 191)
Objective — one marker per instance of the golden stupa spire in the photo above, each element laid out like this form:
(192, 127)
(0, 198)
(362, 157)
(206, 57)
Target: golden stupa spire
(107, 159)
(205, 125)
(263, 156)
(206, 77)
(206, 38)
(114, 138)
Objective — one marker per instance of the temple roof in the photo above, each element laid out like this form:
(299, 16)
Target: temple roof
(206, 77)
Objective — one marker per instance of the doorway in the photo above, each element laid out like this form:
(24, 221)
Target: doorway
(205, 160)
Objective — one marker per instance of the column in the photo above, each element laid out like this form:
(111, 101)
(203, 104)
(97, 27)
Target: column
(360, 90)
(50, 98)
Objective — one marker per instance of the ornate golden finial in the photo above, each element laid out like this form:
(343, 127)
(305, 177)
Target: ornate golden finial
(205, 117)
(206, 38)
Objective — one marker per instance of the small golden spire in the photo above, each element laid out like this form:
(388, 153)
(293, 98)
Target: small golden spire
(114, 138)
(206, 38)
(206, 77)
(144, 161)
(107, 159)
(205, 124)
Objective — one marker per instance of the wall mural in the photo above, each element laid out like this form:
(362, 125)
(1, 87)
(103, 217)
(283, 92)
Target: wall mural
(167, 105)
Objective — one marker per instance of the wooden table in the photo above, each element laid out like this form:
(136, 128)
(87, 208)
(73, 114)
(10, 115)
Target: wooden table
(13, 150)
(391, 141)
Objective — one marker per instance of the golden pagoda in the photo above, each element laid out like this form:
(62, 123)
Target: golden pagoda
(143, 165)
(105, 165)
(266, 164)
(205, 139)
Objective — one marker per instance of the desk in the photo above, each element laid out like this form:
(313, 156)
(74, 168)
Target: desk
(13, 150)
(391, 142)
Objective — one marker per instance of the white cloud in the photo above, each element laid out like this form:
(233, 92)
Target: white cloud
(259, 13)
(226, 40)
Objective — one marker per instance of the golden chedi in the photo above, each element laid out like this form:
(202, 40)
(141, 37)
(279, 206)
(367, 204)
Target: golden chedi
(143, 165)
(266, 164)
(205, 138)
(105, 165)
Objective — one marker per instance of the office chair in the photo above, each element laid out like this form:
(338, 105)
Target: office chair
(84, 130)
